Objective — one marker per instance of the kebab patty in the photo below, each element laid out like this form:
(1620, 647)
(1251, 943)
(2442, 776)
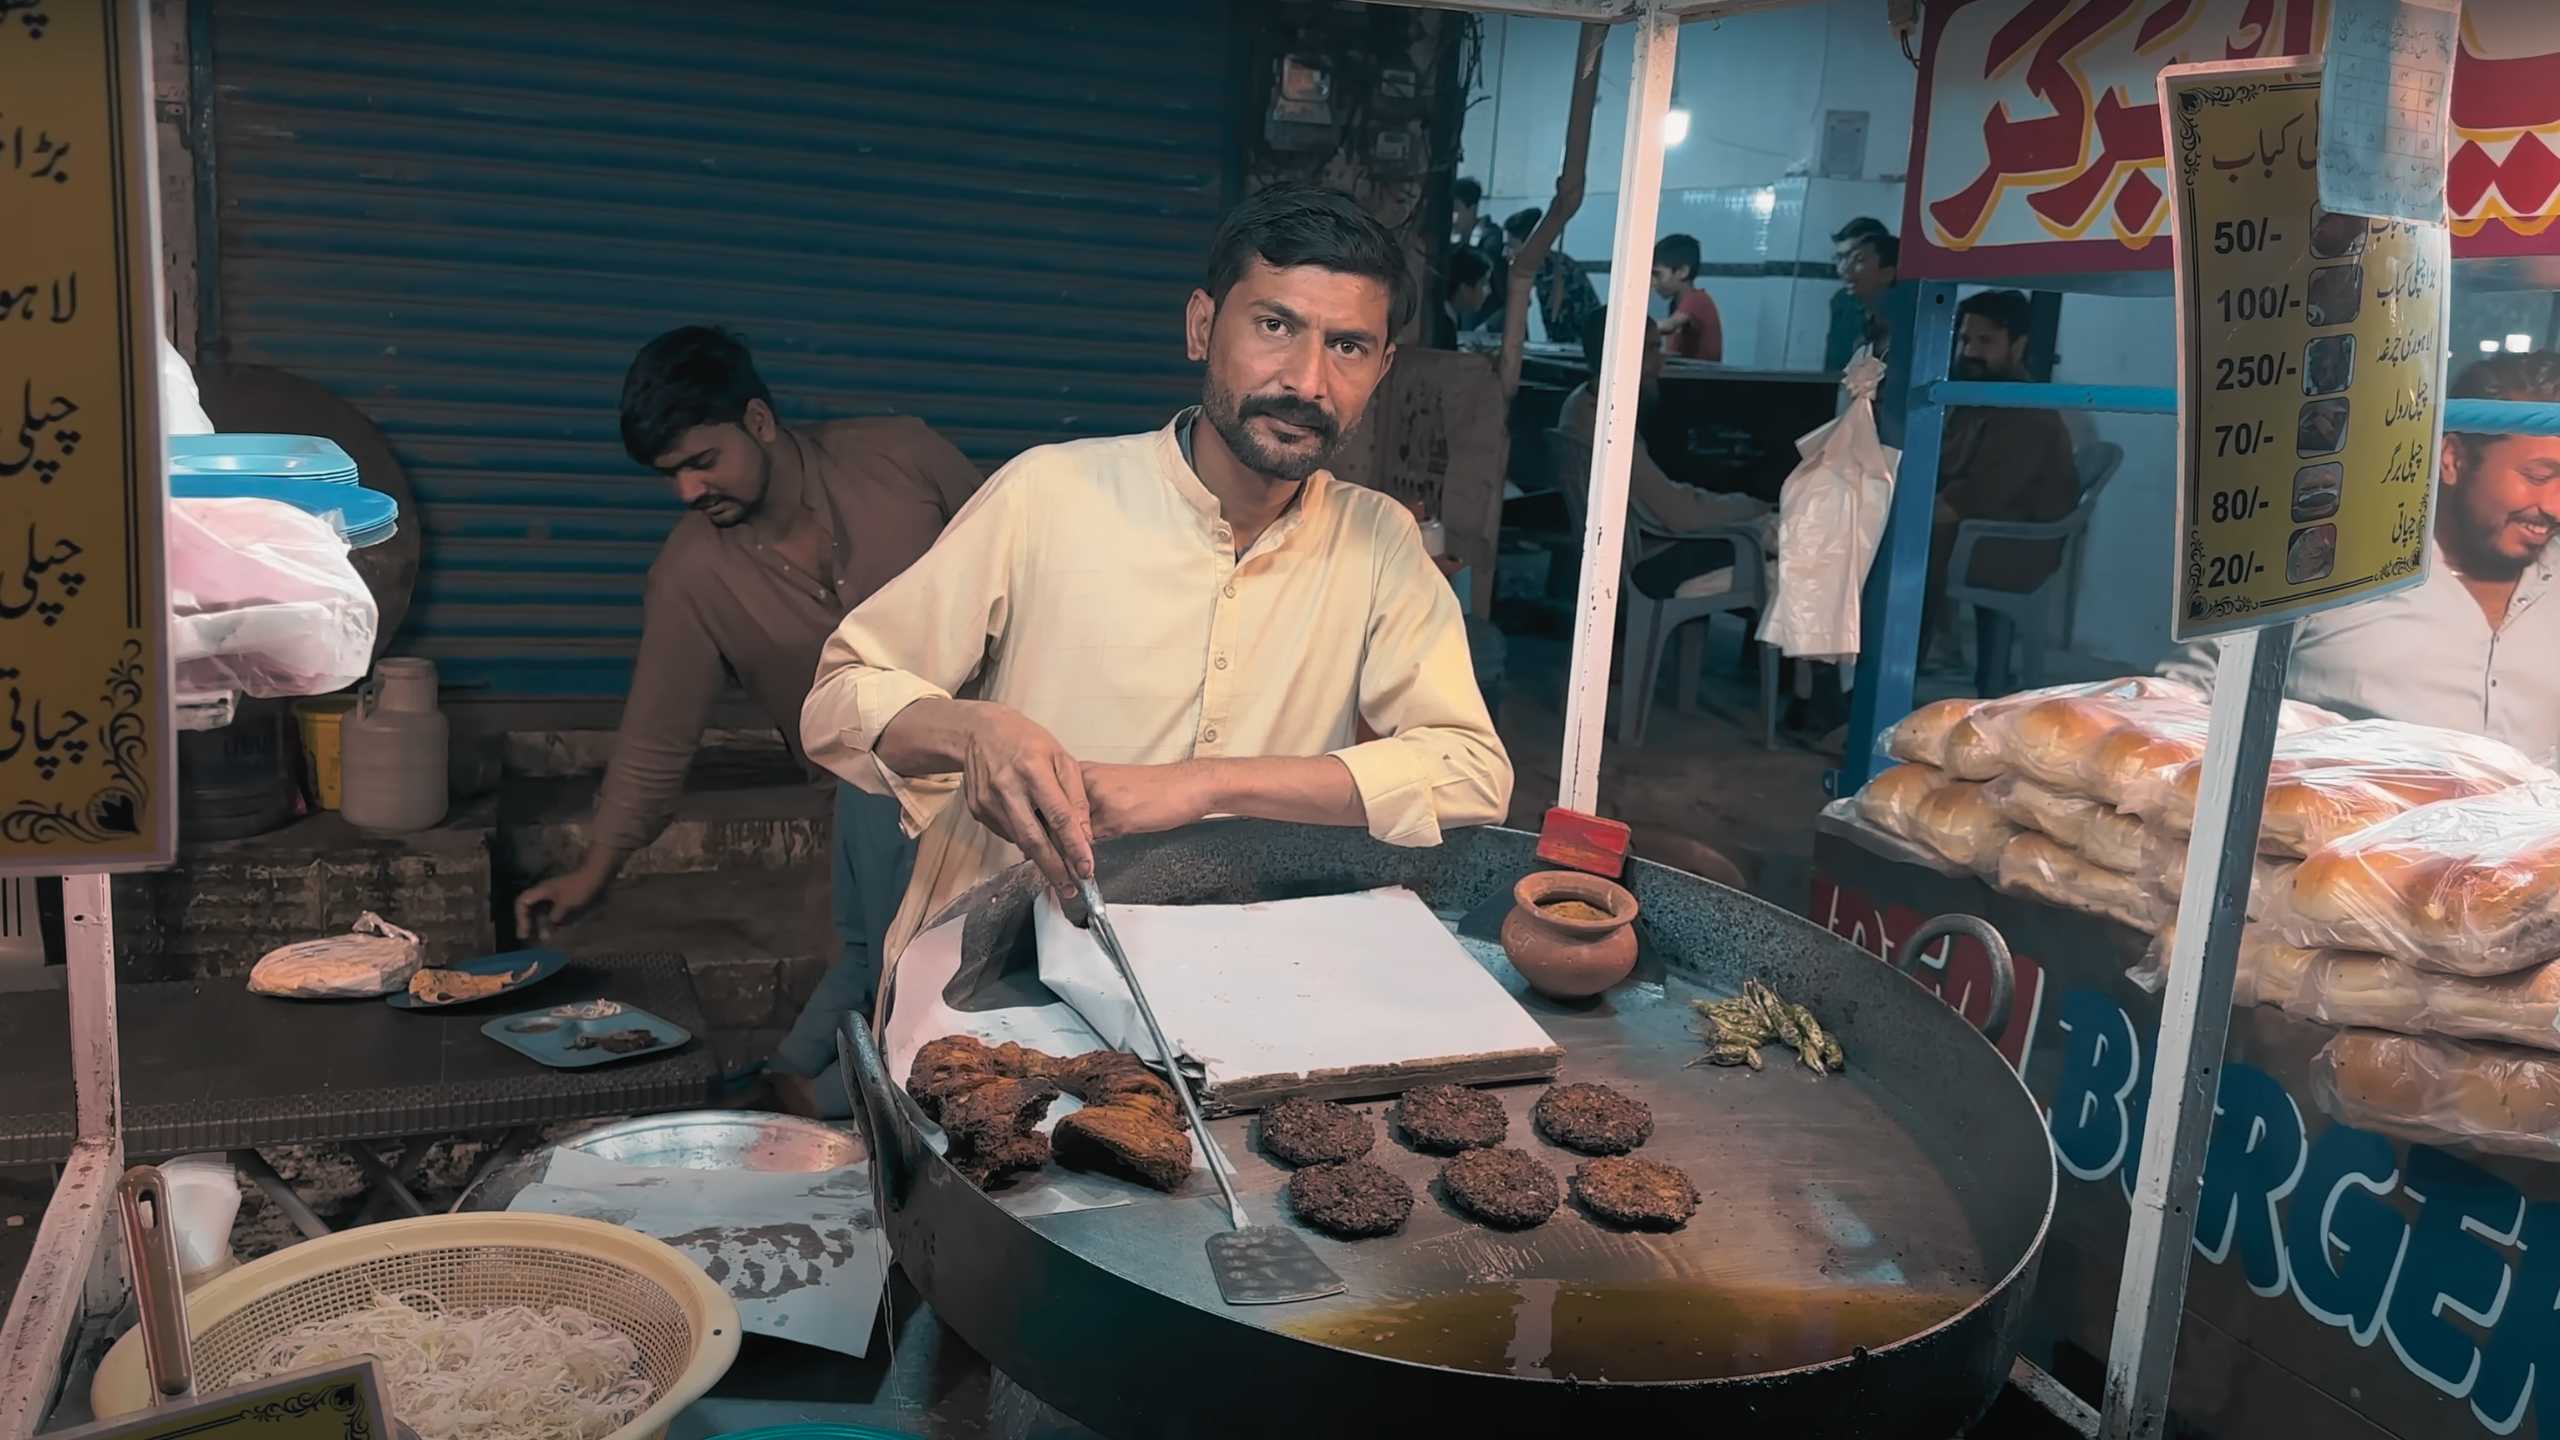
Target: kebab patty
(1640, 1194)
(1445, 1119)
(1352, 1198)
(1315, 1132)
(1593, 1119)
(1505, 1187)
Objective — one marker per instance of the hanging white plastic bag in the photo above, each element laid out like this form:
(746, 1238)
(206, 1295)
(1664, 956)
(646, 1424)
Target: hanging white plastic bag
(264, 601)
(1830, 517)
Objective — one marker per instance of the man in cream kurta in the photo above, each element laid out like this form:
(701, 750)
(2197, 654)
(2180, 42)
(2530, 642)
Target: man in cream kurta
(1193, 621)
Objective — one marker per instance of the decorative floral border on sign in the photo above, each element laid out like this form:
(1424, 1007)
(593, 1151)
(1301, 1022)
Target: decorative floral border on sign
(114, 813)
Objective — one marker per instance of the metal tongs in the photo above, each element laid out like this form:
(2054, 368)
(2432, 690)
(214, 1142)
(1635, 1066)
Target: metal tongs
(151, 1252)
(1253, 1264)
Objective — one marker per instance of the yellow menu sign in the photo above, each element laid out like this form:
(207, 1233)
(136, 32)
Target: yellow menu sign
(2311, 362)
(341, 1402)
(85, 747)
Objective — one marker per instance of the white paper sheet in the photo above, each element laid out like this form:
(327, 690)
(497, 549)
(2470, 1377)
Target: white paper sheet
(2384, 93)
(1288, 987)
(800, 1253)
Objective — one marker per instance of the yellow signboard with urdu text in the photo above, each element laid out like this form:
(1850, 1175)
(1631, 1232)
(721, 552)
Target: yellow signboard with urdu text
(341, 1402)
(85, 743)
(2311, 362)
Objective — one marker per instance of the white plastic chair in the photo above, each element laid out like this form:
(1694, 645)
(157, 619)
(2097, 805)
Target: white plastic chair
(1651, 622)
(2029, 617)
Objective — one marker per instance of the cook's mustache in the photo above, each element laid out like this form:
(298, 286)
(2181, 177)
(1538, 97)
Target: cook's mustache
(1306, 414)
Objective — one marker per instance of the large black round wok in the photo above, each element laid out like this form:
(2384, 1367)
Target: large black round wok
(1867, 1244)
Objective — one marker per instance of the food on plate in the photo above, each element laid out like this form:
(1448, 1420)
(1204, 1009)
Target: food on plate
(1891, 801)
(1504, 1187)
(1445, 1119)
(1639, 1194)
(1737, 1029)
(2440, 1091)
(457, 987)
(1351, 1198)
(617, 1042)
(506, 1372)
(1315, 1132)
(1593, 1119)
(990, 1098)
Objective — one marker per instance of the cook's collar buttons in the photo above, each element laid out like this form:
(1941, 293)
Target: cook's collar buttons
(1209, 736)
(1231, 592)
(1222, 662)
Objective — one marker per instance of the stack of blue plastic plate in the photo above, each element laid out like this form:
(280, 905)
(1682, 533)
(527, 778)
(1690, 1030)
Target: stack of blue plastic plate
(309, 472)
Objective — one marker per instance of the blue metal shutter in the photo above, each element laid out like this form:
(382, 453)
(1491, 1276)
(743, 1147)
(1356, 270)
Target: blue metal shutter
(465, 220)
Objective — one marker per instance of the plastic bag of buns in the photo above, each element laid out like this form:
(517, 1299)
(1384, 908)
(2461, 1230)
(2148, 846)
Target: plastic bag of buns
(1921, 737)
(2164, 873)
(1891, 801)
(2125, 766)
(2046, 811)
(2329, 783)
(1979, 744)
(2435, 1090)
(2115, 840)
(2041, 868)
(2270, 972)
(2054, 741)
(2466, 887)
(2374, 992)
(1960, 823)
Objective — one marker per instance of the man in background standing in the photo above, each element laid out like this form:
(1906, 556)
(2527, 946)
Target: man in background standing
(1998, 464)
(1694, 330)
(1848, 313)
(1469, 229)
(791, 528)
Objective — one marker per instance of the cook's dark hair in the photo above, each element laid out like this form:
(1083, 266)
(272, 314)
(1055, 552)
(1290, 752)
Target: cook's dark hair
(1468, 267)
(1522, 222)
(2532, 376)
(1467, 191)
(698, 375)
(1859, 228)
(2008, 309)
(1678, 252)
(1294, 224)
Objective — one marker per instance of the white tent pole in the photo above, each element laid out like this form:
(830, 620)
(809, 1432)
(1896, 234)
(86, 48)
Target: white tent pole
(1586, 708)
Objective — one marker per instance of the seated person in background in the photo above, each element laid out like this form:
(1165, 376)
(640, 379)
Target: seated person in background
(1471, 229)
(1657, 498)
(1562, 291)
(1997, 465)
(2476, 645)
(1462, 299)
(1693, 331)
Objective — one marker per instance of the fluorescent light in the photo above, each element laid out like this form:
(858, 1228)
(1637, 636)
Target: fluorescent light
(1764, 201)
(1675, 125)
(2518, 344)
(2488, 347)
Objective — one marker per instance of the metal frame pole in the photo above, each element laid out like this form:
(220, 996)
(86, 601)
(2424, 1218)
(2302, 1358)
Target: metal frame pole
(1586, 712)
(66, 1277)
(1896, 591)
(2195, 1024)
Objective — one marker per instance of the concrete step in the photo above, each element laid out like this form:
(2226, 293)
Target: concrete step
(755, 940)
(735, 814)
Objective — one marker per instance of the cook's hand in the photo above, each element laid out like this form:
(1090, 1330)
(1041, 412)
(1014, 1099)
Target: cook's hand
(557, 901)
(1146, 799)
(1023, 785)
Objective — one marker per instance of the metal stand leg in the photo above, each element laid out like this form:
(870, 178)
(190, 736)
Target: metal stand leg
(386, 1178)
(280, 1194)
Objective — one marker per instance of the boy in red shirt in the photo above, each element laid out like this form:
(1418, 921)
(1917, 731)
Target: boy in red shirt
(1693, 330)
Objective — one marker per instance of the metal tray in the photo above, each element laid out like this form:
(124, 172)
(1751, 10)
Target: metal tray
(544, 1036)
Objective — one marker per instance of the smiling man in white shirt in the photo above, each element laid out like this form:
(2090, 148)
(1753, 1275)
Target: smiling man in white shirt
(2476, 647)
(1190, 622)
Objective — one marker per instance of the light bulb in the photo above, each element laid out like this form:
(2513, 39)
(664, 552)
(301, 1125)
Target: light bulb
(1675, 125)
(2518, 344)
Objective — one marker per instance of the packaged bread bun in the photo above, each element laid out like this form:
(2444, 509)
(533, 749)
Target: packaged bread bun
(2039, 867)
(1891, 801)
(2270, 972)
(1920, 738)
(1959, 822)
(1973, 742)
(2115, 840)
(2128, 766)
(2440, 1091)
(2328, 783)
(2373, 992)
(2466, 887)
(2064, 817)
(2164, 873)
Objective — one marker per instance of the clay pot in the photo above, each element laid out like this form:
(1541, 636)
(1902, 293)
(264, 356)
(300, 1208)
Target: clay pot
(1561, 956)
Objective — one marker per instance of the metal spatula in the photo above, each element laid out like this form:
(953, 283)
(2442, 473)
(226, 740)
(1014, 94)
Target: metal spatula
(1254, 1264)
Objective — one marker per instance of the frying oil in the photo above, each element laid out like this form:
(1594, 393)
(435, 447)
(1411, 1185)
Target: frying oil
(1554, 1329)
